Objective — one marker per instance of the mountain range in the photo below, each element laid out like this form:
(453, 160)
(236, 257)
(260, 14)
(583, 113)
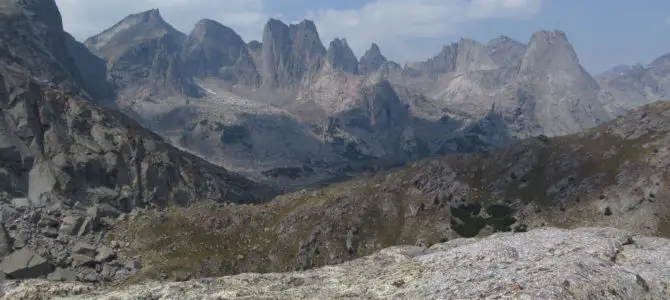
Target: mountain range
(288, 111)
(147, 153)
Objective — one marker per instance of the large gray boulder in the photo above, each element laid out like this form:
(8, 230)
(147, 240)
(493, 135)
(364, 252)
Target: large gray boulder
(5, 241)
(25, 263)
(549, 263)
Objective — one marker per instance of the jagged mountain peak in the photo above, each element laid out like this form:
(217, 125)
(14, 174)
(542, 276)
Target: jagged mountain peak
(209, 24)
(305, 25)
(148, 16)
(291, 54)
(506, 51)
(305, 37)
(217, 50)
(374, 49)
(503, 39)
(550, 51)
(372, 60)
(274, 26)
(207, 28)
(339, 43)
(473, 55)
(131, 30)
(341, 57)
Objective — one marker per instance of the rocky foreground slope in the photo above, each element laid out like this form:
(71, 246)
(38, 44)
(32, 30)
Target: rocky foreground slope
(549, 263)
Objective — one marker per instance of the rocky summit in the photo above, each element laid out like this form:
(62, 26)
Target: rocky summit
(149, 163)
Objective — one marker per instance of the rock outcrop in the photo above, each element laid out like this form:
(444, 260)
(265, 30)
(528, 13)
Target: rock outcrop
(549, 263)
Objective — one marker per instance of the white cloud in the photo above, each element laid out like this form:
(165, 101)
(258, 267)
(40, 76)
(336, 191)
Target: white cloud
(84, 18)
(393, 23)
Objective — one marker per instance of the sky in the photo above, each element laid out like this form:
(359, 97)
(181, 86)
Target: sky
(605, 33)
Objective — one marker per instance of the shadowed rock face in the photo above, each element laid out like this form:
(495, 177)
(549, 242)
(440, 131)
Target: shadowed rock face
(542, 264)
(92, 70)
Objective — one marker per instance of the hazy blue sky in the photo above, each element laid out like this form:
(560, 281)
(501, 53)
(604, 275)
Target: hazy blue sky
(604, 33)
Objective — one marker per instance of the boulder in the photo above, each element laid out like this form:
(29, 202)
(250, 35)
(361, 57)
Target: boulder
(7, 213)
(105, 254)
(83, 254)
(61, 274)
(21, 239)
(108, 272)
(21, 203)
(5, 241)
(42, 180)
(48, 221)
(84, 249)
(24, 264)
(70, 225)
